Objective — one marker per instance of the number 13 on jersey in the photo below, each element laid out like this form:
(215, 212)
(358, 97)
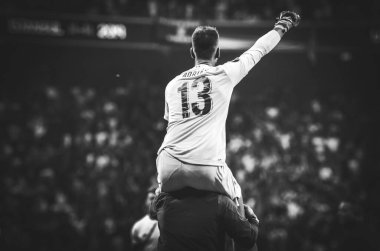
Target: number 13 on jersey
(193, 94)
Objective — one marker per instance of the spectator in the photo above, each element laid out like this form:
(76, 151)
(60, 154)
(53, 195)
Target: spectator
(145, 232)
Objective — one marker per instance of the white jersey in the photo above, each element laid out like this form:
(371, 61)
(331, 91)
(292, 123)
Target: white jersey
(196, 106)
(145, 234)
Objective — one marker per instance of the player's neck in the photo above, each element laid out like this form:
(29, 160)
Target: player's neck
(204, 61)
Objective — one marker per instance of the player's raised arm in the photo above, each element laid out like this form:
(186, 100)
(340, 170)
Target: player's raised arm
(239, 67)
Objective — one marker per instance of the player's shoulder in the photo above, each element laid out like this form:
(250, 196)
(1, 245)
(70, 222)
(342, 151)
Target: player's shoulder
(136, 225)
(216, 70)
(230, 63)
(172, 82)
(141, 223)
(225, 68)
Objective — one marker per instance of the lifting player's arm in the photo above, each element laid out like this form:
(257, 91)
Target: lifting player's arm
(242, 229)
(239, 68)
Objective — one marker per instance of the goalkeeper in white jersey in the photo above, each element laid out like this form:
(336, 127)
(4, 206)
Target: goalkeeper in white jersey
(193, 152)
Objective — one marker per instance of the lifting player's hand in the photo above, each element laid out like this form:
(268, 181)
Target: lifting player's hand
(287, 20)
(250, 215)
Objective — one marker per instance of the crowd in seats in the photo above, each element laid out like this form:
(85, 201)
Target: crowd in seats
(295, 165)
(76, 161)
(75, 165)
(205, 9)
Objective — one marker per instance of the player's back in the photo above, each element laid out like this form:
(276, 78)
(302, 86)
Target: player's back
(197, 104)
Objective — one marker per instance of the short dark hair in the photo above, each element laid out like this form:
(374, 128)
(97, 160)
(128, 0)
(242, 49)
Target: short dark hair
(205, 41)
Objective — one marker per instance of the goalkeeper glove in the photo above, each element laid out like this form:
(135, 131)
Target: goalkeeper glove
(287, 20)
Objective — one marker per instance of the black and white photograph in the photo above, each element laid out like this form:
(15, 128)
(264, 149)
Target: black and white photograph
(189, 125)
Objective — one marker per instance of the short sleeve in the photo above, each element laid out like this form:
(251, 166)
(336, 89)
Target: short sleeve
(166, 113)
(134, 234)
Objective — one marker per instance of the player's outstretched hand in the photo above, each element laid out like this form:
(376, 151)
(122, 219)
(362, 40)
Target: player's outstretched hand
(250, 215)
(287, 20)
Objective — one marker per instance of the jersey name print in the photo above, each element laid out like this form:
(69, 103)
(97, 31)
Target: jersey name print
(189, 74)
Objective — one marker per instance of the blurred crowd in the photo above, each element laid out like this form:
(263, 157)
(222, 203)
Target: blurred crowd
(205, 9)
(296, 164)
(76, 161)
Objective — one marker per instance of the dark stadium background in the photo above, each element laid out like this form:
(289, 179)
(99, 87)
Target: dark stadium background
(81, 121)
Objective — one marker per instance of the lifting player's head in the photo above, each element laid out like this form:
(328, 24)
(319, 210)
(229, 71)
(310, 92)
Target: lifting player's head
(205, 44)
